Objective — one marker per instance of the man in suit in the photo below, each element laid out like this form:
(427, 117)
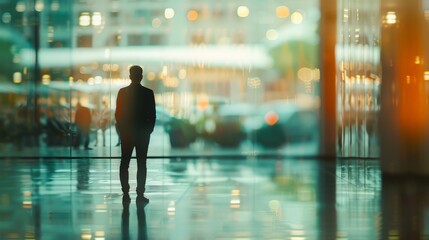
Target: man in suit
(135, 117)
(83, 124)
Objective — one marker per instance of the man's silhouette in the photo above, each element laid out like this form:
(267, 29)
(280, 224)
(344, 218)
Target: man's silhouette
(83, 124)
(135, 115)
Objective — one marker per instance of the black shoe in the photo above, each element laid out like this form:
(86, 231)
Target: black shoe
(88, 148)
(142, 199)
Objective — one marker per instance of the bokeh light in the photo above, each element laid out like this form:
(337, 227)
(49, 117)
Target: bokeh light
(296, 18)
(271, 118)
(282, 12)
(272, 34)
(169, 13)
(243, 11)
(192, 15)
(156, 22)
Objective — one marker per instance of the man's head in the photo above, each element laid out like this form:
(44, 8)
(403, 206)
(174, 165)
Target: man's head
(136, 73)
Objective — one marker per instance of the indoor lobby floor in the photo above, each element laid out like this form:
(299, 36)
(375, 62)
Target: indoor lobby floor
(247, 198)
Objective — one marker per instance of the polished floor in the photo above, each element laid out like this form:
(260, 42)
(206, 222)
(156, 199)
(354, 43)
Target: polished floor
(210, 199)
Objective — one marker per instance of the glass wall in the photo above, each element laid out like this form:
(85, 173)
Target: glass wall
(358, 77)
(230, 78)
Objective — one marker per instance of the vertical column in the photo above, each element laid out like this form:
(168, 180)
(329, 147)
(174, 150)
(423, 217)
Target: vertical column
(404, 110)
(328, 120)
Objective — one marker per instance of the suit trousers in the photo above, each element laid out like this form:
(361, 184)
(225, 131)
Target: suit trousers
(141, 143)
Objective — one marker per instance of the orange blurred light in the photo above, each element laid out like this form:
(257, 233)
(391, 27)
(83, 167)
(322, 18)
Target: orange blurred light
(282, 12)
(202, 102)
(271, 118)
(192, 15)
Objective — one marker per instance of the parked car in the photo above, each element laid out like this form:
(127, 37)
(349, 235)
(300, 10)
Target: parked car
(181, 132)
(232, 124)
(283, 122)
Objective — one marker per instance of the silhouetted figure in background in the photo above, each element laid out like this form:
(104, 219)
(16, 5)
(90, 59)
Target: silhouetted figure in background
(104, 122)
(55, 130)
(83, 124)
(135, 116)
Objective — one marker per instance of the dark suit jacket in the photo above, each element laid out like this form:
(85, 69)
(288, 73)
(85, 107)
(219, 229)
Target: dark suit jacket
(135, 110)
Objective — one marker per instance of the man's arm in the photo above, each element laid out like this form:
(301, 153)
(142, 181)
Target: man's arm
(152, 111)
(118, 111)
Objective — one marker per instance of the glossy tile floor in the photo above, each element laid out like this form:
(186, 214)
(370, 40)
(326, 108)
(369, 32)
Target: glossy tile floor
(210, 199)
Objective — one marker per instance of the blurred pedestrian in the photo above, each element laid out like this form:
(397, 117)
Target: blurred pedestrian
(83, 124)
(104, 122)
(135, 116)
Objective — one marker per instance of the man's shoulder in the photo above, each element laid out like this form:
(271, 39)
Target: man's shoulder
(123, 88)
(147, 89)
(140, 88)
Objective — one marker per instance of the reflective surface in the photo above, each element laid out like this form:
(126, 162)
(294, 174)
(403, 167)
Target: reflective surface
(207, 199)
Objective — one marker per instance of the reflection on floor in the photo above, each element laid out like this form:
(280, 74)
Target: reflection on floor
(210, 199)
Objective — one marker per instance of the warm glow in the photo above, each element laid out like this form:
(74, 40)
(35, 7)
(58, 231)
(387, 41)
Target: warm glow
(164, 71)
(150, 76)
(86, 236)
(202, 102)
(182, 73)
(96, 19)
(417, 60)
(254, 82)
(17, 77)
(272, 35)
(115, 67)
(84, 19)
(39, 5)
(296, 17)
(426, 76)
(156, 22)
(171, 82)
(169, 13)
(271, 118)
(27, 204)
(107, 53)
(282, 12)
(316, 74)
(98, 79)
(171, 210)
(235, 192)
(192, 15)
(55, 6)
(46, 79)
(391, 18)
(243, 11)
(20, 6)
(305, 74)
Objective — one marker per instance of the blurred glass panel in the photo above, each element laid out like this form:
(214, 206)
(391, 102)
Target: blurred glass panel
(227, 77)
(33, 115)
(358, 78)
